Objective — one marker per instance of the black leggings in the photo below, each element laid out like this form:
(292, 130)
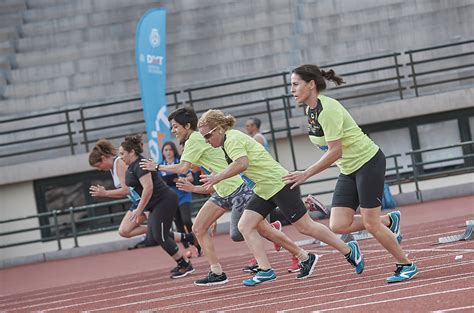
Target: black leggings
(183, 220)
(160, 220)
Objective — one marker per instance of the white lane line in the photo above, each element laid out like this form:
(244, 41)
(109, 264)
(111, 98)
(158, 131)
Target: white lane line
(102, 293)
(398, 299)
(271, 301)
(455, 309)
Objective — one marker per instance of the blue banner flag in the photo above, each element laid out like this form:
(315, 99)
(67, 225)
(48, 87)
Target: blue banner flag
(150, 54)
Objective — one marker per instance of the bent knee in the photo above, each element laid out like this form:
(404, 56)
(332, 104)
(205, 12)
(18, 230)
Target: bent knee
(338, 228)
(124, 233)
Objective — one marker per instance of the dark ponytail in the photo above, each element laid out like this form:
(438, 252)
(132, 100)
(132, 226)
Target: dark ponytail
(309, 72)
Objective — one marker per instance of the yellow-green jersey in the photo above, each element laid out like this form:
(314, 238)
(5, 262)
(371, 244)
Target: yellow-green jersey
(263, 170)
(200, 153)
(330, 121)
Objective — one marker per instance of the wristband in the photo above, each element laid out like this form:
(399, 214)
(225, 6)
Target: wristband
(157, 167)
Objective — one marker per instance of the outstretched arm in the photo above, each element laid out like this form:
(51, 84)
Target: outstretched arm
(333, 154)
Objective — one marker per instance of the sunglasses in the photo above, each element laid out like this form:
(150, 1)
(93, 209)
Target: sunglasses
(209, 134)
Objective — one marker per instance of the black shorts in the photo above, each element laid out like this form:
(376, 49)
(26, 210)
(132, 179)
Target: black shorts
(364, 187)
(287, 200)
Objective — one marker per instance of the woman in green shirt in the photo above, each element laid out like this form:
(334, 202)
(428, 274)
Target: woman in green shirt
(247, 157)
(361, 163)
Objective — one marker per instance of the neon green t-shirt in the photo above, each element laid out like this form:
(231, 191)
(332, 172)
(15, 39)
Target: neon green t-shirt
(330, 121)
(263, 170)
(200, 153)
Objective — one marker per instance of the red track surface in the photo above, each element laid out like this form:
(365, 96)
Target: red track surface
(139, 280)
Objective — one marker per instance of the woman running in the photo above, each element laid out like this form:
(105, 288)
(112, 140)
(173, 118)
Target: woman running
(151, 195)
(248, 157)
(230, 194)
(360, 160)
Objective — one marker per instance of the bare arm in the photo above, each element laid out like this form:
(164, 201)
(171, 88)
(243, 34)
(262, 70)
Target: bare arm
(182, 168)
(122, 192)
(333, 154)
(238, 166)
(184, 185)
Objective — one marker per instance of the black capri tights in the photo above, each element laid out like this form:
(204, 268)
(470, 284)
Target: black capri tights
(160, 220)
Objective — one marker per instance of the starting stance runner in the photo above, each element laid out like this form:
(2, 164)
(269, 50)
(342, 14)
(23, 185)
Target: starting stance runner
(360, 160)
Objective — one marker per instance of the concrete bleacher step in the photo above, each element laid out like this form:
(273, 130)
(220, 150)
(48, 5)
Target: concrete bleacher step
(11, 19)
(83, 21)
(12, 6)
(72, 8)
(8, 33)
(63, 99)
(81, 50)
(71, 82)
(64, 39)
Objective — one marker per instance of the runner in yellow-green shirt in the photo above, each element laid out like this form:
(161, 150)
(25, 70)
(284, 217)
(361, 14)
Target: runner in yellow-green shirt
(361, 163)
(230, 194)
(247, 157)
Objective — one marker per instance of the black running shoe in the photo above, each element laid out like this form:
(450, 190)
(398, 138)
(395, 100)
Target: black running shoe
(183, 271)
(174, 269)
(307, 267)
(212, 279)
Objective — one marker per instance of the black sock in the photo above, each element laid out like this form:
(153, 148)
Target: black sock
(187, 238)
(182, 263)
(390, 222)
(407, 264)
(348, 256)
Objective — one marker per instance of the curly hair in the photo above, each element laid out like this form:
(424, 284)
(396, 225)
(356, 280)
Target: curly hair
(214, 118)
(134, 142)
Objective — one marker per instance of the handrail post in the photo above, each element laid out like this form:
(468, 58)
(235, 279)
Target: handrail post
(288, 129)
(270, 120)
(397, 174)
(190, 98)
(68, 123)
(285, 82)
(73, 226)
(415, 86)
(84, 131)
(415, 177)
(56, 228)
(398, 76)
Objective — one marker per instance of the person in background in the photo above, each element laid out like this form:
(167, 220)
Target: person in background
(361, 163)
(252, 126)
(182, 219)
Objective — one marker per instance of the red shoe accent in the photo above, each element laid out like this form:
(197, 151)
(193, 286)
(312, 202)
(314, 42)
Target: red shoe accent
(312, 204)
(295, 265)
(277, 226)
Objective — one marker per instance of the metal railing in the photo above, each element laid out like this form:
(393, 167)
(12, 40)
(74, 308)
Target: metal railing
(72, 130)
(57, 232)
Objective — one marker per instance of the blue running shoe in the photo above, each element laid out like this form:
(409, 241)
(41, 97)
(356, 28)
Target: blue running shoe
(395, 226)
(356, 258)
(403, 272)
(260, 277)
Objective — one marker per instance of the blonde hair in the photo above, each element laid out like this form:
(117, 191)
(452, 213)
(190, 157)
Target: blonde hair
(103, 147)
(214, 118)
